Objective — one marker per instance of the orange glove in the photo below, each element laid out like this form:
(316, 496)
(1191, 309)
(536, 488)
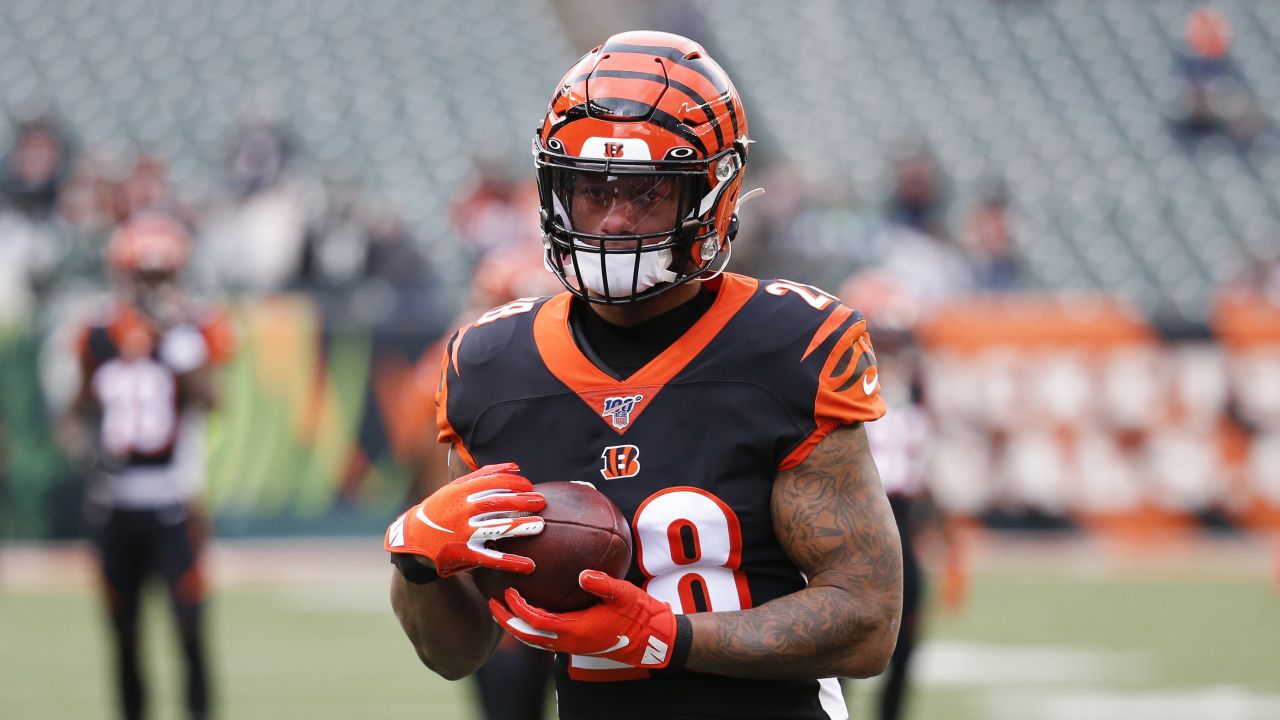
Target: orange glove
(452, 525)
(628, 625)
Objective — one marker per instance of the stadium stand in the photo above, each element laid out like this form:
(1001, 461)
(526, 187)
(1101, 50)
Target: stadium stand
(1069, 102)
(402, 95)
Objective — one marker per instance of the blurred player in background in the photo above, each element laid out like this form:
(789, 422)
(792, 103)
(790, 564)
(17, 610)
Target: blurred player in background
(902, 444)
(146, 383)
(723, 414)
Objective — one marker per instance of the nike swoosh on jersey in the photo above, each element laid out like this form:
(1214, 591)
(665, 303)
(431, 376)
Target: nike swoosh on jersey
(870, 387)
(423, 517)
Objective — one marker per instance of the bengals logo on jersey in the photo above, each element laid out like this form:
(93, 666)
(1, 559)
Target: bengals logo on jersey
(620, 461)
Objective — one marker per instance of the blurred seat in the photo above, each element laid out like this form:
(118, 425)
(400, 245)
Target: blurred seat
(1131, 388)
(1263, 467)
(1034, 472)
(1182, 471)
(1105, 477)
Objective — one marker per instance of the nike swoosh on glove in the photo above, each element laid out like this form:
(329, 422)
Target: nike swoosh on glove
(628, 625)
(452, 525)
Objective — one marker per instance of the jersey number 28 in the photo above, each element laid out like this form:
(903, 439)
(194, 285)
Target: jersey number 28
(689, 547)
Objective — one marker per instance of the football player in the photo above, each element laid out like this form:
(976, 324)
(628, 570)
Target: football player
(902, 444)
(146, 382)
(721, 413)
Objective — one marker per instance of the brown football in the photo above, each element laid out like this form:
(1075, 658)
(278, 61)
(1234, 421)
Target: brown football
(584, 531)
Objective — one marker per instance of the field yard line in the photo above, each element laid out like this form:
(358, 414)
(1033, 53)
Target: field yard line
(1218, 703)
(950, 663)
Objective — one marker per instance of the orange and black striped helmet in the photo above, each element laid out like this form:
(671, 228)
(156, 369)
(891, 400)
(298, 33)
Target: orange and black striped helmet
(639, 162)
(149, 243)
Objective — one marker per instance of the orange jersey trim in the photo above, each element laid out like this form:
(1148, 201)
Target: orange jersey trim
(565, 360)
(834, 409)
(448, 435)
(833, 321)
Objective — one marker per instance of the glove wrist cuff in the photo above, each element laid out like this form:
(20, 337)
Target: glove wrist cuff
(413, 571)
(682, 644)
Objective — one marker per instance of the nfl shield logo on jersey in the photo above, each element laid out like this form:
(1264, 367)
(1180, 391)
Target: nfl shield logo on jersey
(619, 409)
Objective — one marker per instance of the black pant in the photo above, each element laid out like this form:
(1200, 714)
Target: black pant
(513, 683)
(133, 545)
(893, 691)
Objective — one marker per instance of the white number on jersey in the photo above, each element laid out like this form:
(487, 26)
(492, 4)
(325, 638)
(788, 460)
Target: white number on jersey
(816, 298)
(688, 544)
(515, 307)
(139, 412)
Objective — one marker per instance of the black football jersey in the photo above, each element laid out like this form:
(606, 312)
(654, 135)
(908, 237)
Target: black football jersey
(139, 399)
(688, 448)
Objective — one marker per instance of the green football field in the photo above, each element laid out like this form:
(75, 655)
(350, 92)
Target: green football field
(1038, 639)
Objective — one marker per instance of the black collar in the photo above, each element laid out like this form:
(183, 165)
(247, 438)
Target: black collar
(620, 350)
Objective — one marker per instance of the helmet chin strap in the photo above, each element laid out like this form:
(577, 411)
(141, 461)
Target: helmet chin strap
(723, 256)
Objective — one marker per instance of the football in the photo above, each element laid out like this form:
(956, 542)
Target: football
(584, 531)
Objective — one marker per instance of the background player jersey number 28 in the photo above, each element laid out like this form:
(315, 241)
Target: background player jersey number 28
(139, 410)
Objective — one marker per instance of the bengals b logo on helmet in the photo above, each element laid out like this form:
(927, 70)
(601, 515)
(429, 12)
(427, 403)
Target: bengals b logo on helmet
(620, 461)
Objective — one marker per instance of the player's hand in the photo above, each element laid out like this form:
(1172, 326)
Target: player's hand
(628, 625)
(453, 524)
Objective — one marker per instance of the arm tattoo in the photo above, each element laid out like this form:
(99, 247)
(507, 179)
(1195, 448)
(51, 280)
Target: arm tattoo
(833, 519)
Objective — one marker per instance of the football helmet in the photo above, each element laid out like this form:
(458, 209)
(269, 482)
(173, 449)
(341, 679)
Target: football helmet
(639, 163)
(149, 243)
(147, 253)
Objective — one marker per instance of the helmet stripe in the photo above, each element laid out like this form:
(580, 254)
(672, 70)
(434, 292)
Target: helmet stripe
(717, 80)
(690, 92)
(675, 56)
(660, 118)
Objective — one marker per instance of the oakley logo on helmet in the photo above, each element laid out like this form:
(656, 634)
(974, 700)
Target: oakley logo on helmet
(618, 409)
(620, 461)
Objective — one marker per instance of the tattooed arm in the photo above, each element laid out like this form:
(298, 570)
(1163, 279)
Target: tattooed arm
(833, 519)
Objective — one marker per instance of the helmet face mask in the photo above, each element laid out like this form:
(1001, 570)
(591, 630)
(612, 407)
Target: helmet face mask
(623, 216)
(638, 173)
(147, 255)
